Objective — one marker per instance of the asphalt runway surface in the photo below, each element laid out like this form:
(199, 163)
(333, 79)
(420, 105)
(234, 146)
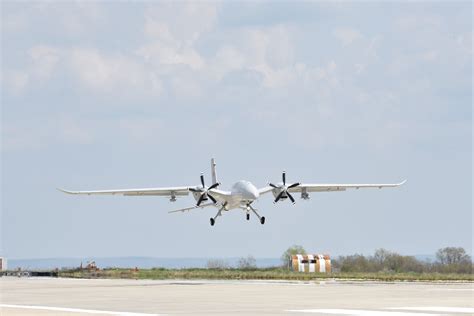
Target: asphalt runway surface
(51, 296)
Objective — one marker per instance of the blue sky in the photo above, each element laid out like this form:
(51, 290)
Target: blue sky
(102, 95)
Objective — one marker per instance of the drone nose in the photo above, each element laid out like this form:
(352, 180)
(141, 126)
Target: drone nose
(254, 193)
(249, 192)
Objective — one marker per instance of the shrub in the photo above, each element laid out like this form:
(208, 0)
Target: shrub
(248, 263)
(217, 264)
(293, 250)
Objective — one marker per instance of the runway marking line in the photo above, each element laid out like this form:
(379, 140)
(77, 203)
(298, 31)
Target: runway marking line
(442, 309)
(357, 312)
(441, 289)
(76, 310)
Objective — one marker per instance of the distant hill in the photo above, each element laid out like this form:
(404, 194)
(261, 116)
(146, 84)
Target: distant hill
(128, 262)
(144, 262)
(426, 258)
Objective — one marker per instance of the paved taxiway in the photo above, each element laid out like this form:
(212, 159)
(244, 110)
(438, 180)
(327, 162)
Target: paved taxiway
(48, 296)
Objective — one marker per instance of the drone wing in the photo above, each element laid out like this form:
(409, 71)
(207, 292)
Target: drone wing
(340, 187)
(170, 191)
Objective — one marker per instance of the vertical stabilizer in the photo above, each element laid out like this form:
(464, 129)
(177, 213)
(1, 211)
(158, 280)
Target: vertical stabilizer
(213, 171)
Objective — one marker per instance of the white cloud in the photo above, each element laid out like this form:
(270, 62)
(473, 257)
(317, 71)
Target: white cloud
(429, 56)
(29, 134)
(113, 72)
(279, 50)
(44, 59)
(179, 22)
(159, 53)
(347, 35)
(15, 81)
(17, 136)
(40, 65)
(417, 22)
(66, 18)
(271, 46)
(172, 42)
(14, 22)
(227, 59)
(67, 130)
(266, 50)
(94, 69)
(359, 68)
(172, 30)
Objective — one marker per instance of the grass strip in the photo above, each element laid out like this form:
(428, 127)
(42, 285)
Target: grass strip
(258, 274)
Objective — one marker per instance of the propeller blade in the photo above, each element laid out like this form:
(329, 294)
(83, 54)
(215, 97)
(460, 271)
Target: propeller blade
(283, 177)
(193, 190)
(272, 185)
(291, 197)
(294, 185)
(201, 198)
(279, 196)
(212, 198)
(215, 185)
(202, 180)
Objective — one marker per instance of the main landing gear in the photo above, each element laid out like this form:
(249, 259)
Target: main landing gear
(219, 213)
(250, 208)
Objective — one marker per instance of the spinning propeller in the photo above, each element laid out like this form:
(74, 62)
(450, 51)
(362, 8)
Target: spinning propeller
(284, 189)
(204, 191)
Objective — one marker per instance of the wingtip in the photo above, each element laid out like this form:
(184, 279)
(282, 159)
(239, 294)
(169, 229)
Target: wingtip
(65, 191)
(403, 182)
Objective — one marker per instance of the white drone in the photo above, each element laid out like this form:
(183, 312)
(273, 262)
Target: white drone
(241, 196)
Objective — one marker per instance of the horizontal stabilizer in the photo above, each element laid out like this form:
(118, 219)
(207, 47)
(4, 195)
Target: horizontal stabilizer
(186, 209)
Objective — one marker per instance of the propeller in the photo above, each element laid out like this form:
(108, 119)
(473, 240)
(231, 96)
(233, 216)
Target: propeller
(284, 189)
(204, 191)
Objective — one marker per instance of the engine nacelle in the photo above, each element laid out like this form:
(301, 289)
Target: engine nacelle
(281, 191)
(197, 195)
(277, 191)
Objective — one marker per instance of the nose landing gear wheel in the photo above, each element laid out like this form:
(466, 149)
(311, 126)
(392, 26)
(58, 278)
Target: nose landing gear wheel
(212, 222)
(248, 217)
(262, 220)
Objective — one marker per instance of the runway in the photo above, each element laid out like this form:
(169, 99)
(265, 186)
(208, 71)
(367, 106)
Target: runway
(50, 296)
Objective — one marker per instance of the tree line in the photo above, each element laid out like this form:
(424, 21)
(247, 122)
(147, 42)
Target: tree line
(448, 260)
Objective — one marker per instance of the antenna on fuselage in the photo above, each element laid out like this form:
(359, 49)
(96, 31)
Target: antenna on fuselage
(213, 171)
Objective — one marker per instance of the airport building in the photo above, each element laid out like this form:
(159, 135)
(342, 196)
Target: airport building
(3, 264)
(311, 263)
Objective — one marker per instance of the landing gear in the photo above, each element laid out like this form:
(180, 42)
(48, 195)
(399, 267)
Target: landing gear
(219, 213)
(250, 208)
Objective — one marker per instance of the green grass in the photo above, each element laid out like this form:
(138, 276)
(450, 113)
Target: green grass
(259, 274)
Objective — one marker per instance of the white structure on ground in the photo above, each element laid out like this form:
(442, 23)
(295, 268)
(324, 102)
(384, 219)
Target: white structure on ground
(3, 264)
(311, 263)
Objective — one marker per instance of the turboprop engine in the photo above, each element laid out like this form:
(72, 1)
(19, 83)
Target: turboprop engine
(201, 193)
(280, 192)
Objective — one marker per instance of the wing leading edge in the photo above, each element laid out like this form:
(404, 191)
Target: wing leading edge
(171, 191)
(308, 187)
(342, 187)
